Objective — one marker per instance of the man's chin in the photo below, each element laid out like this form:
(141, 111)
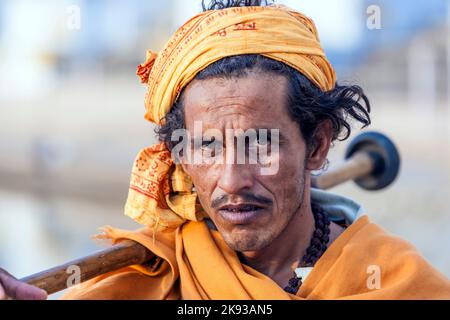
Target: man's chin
(246, 240)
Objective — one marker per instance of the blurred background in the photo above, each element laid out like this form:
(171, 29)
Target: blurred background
(71, 114)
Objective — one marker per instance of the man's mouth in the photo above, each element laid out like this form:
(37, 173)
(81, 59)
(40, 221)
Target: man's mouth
(242, 213)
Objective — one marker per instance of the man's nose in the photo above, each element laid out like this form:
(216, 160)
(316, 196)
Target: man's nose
(235, 177)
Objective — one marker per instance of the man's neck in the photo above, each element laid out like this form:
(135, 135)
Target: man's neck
(282, 256)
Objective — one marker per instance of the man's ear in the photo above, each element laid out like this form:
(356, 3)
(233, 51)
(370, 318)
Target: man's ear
(320, 145)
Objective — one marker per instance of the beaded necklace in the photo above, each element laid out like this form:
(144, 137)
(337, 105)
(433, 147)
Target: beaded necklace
(317, 247)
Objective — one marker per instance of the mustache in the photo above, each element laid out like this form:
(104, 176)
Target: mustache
(243, 197)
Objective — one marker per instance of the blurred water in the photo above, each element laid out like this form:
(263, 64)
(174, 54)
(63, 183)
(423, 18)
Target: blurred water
(36, 235)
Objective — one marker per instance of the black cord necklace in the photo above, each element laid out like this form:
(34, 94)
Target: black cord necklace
(316, 248)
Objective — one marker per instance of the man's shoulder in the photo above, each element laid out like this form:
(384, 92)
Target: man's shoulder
(373, 243)
(403, 271)
(373, 235)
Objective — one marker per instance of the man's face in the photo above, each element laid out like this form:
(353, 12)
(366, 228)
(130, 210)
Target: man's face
(250, 209)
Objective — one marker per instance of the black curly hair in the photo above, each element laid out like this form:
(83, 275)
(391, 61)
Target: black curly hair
(220, 4)
(308, 105)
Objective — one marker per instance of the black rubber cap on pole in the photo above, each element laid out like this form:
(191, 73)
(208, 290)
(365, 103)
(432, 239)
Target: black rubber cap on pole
(384, 155)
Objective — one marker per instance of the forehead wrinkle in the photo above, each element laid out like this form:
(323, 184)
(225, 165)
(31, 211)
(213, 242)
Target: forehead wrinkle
(214, 91)
(239, 121)
(239, 115)
(230, 102)
(246, 102)
(223, 121)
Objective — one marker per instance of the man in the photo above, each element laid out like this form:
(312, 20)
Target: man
(229, 229)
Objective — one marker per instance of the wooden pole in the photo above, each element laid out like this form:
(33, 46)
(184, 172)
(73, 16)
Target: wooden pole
(121, 255)
(359, 165)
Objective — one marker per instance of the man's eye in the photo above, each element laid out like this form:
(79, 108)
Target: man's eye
(263, 138)
(263, 141)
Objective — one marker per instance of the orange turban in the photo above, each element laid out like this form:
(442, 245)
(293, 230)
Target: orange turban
(160, 193)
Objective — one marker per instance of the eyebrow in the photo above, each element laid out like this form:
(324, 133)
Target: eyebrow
(280, 135)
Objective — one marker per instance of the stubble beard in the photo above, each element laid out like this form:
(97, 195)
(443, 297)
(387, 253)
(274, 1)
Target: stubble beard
(261, 239)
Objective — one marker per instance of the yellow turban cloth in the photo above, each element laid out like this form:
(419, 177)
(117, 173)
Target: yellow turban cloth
(160, 194)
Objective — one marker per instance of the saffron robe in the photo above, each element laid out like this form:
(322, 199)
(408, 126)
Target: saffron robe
(364, 262)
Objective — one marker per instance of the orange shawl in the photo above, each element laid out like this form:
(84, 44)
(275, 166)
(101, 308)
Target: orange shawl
(197, 264)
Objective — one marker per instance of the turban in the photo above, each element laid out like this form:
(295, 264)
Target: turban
(161, 194)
